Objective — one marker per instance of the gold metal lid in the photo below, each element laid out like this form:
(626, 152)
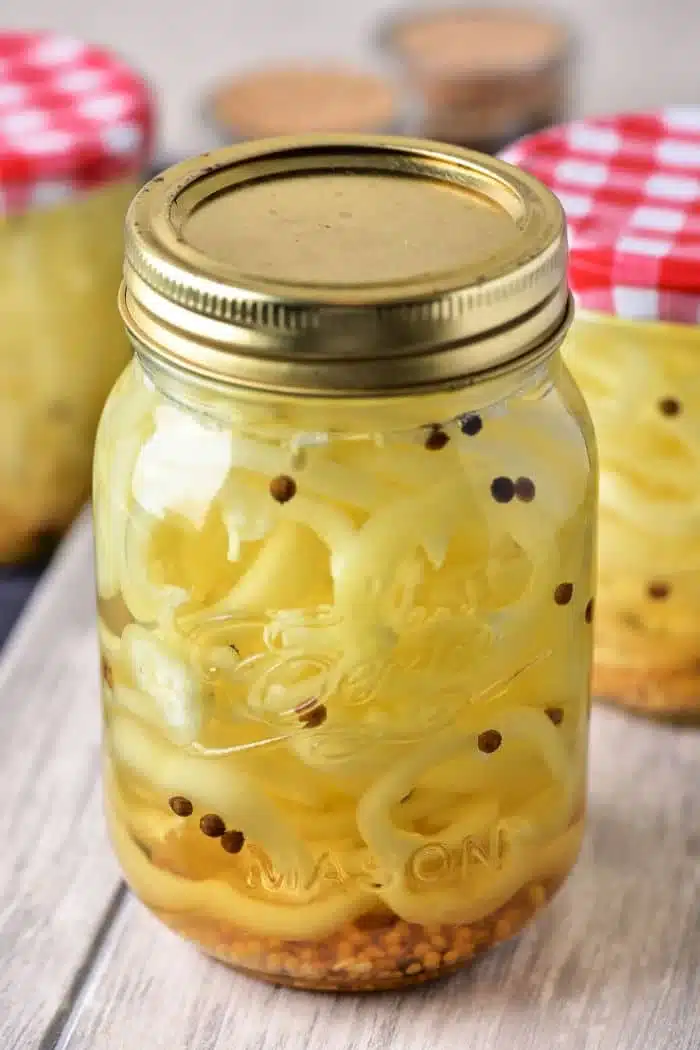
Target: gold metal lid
(345, 265)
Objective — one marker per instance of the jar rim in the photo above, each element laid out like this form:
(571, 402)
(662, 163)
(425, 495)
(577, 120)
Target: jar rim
(343, 262)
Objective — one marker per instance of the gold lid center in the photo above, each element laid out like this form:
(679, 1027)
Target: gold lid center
(343, 265)
(350, 231)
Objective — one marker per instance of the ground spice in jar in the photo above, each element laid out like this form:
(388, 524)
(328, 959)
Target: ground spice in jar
(483, 76)
(294, 99)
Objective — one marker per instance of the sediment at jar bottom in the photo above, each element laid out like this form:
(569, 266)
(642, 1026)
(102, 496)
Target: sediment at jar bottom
(376, 952)
(363, 947)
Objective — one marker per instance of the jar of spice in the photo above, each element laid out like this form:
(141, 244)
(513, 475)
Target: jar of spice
(75, 129)
(630, 186)
(294, 99)
(482, 77)
(344, 511)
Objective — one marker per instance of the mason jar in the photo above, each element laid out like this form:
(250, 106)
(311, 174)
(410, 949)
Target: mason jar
(481, 76)
(630, 186)
(75, 138)
(344, 511)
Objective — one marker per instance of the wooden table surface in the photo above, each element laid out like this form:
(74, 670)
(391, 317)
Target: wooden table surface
(614, 964)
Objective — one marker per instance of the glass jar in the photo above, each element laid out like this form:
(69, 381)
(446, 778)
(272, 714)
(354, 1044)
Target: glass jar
(648, 639)
(630, 185)
(344, 532)
(482, 77)
(74, 138)
(308, 97)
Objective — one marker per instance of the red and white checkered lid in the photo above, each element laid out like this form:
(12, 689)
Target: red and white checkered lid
(630, 187)
(72, 117)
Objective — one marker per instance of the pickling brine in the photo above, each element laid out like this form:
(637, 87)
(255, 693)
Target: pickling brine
(345, 677)
(345, 664)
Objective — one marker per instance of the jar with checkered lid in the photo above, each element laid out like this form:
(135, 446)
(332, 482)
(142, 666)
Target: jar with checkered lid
(630, 187)
(75, 132)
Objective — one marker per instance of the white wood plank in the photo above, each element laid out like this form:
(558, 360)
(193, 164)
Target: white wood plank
(57, 878)
(614, 964)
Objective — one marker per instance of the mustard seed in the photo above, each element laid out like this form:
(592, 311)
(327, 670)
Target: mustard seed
(555, 715)
(669, 406)
(283, 488)
(181, 806)
(563, 593)
(590, 609)
(314, 718)
(471, 425)
(502, 489)
(233, 841)
(524, 490)
(212, 825)
(658, 590)
(436, 439)
(489, 741)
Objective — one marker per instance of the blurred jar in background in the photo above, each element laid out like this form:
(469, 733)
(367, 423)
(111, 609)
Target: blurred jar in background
(75, 132)
(630, 186)
(480, 77)
(292, 100)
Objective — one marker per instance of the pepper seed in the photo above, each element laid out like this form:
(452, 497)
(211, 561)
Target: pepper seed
(436, 439)
(658, 590)
(233, 841)
(563, 593)
(502, 489)
(212, 825)
(489, 741)
(283, 488)
(555, 715)
(471, 425)
(524, 490)
(181, 806)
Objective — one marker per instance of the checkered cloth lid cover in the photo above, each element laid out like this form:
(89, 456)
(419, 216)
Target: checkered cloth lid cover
(630, 187)
(72, 117)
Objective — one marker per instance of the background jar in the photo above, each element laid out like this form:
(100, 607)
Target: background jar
(481, 77)
(304, 97)
(630, 186)
(344, 532)
(75, 130)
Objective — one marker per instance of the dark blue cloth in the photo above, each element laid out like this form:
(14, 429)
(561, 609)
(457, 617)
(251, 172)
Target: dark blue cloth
(16, 585)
